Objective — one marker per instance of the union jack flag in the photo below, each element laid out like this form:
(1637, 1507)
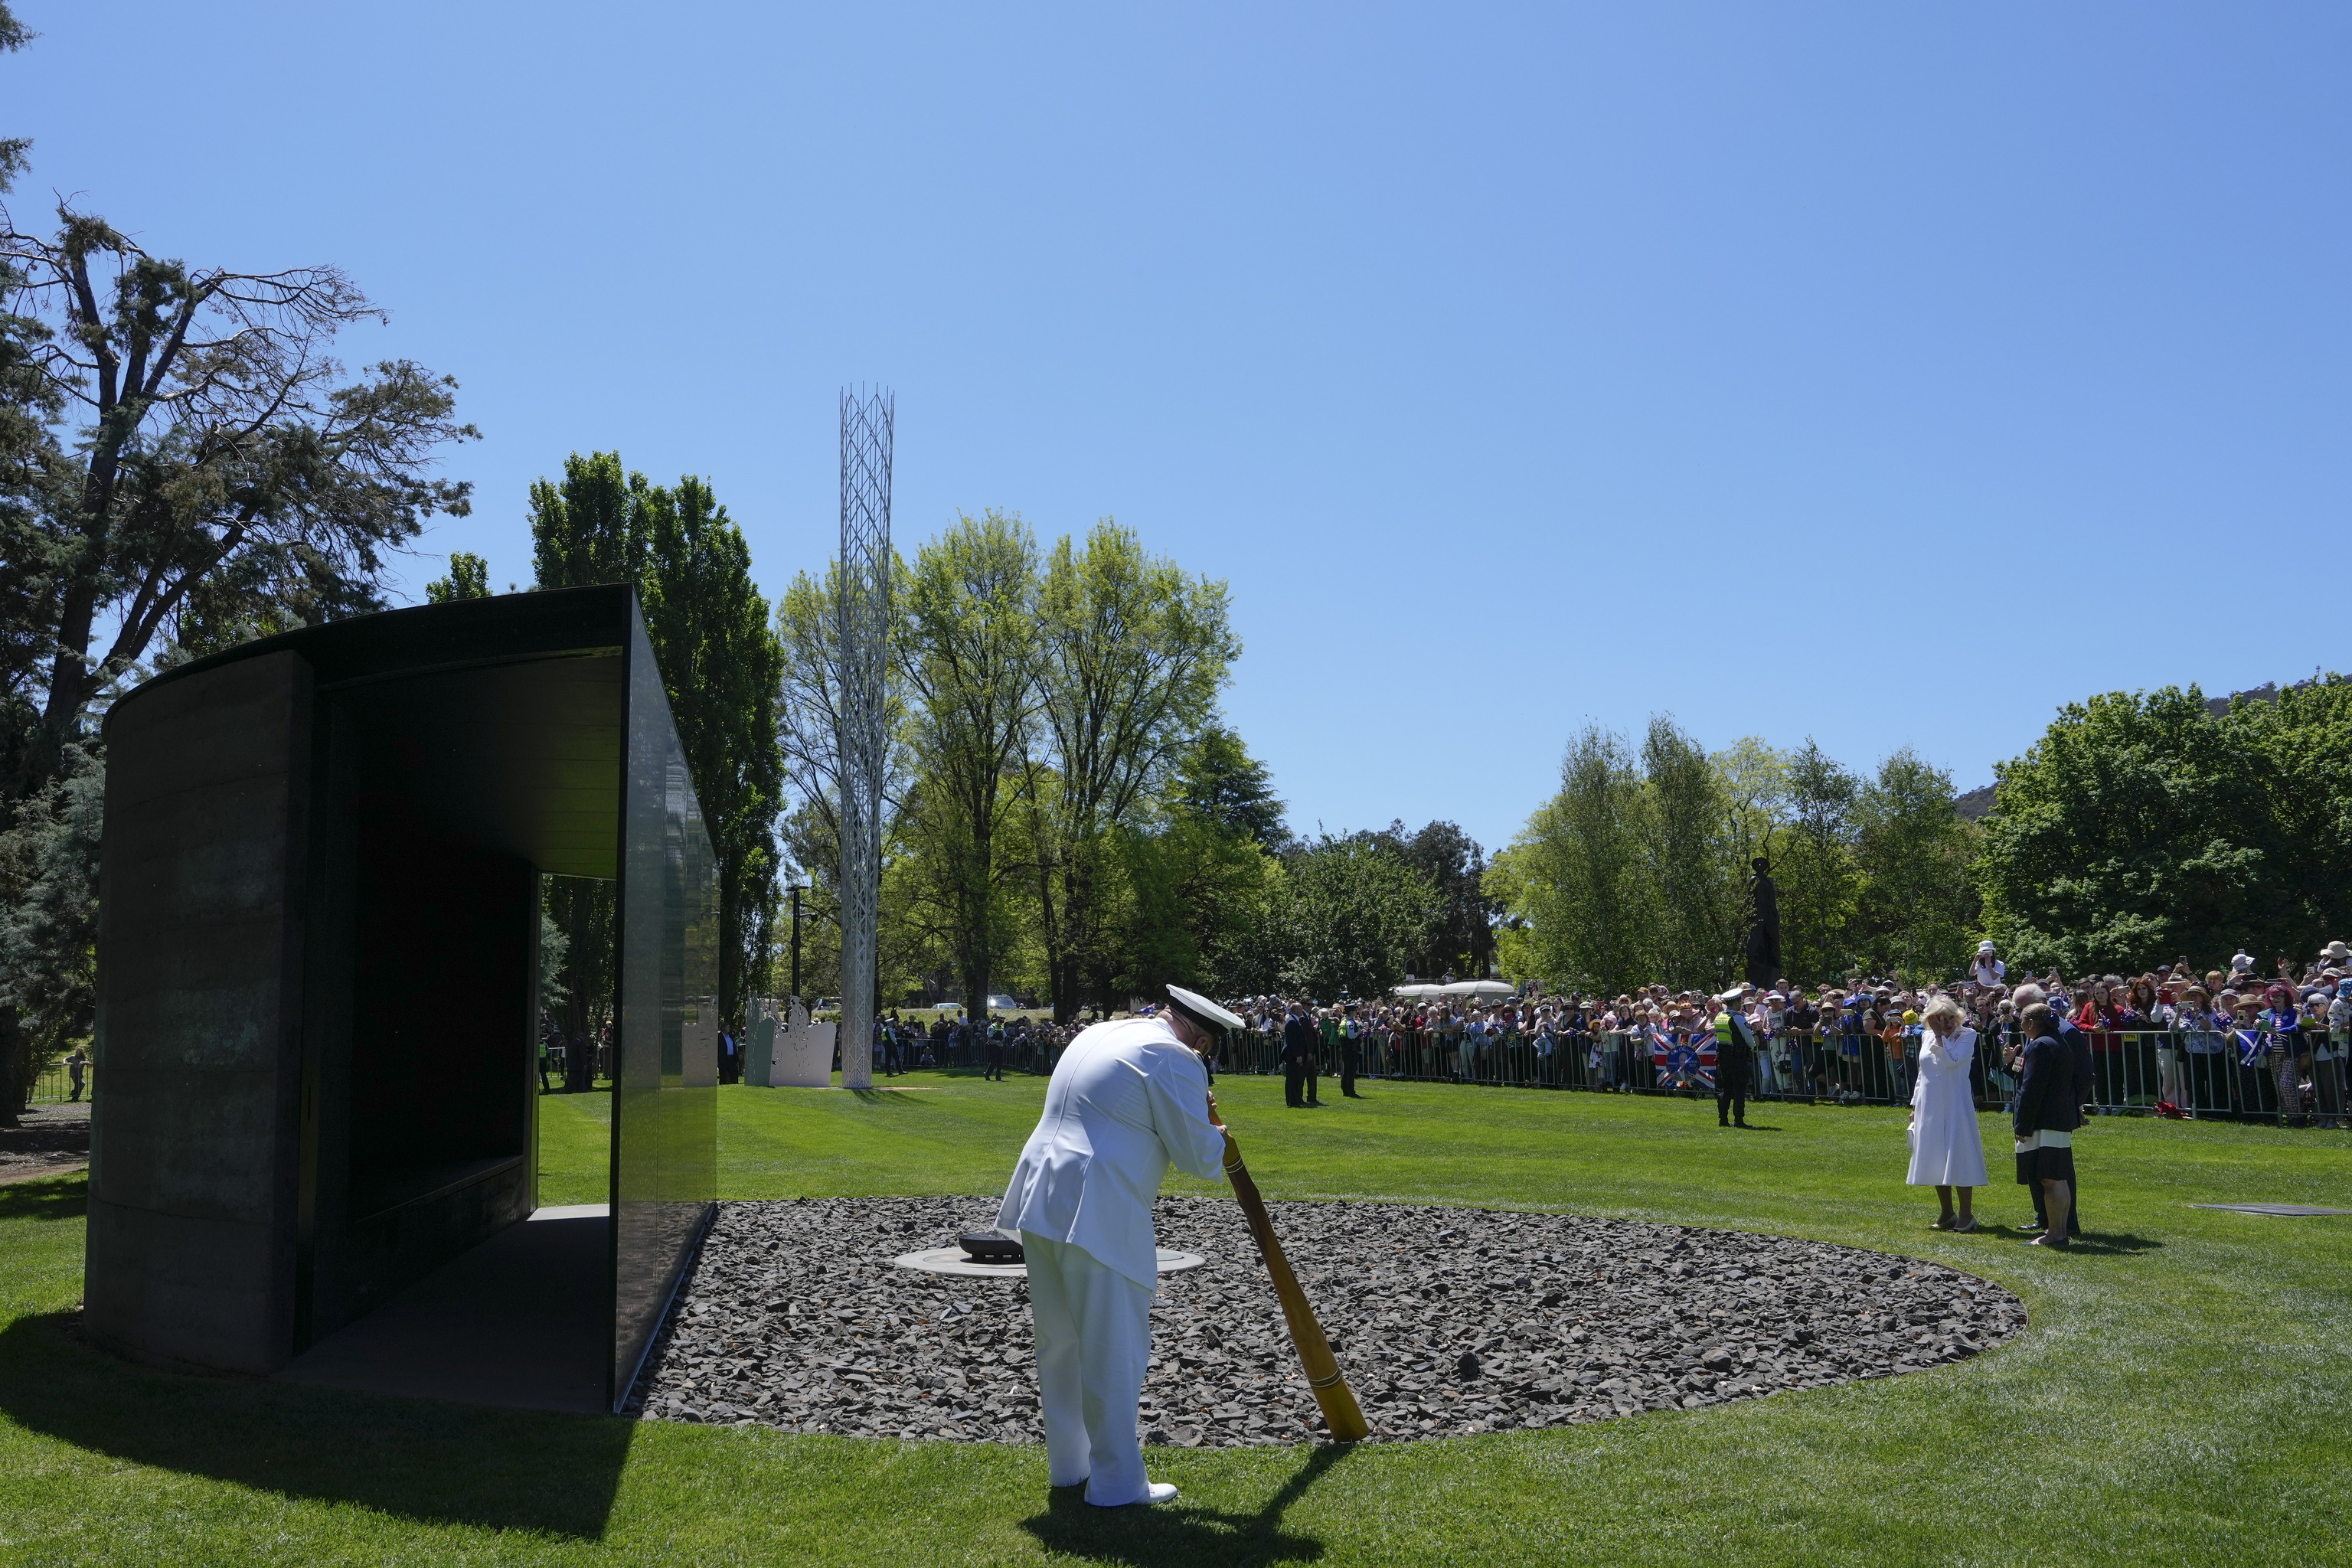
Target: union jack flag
(1683, 1061)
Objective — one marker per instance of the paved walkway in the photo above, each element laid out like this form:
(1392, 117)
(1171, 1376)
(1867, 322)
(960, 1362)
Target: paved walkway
(49, 1140)
(520, 1322)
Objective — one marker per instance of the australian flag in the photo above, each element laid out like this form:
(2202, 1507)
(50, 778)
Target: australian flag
(1683, 1061)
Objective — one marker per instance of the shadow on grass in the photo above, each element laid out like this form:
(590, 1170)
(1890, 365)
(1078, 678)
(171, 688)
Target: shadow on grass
(1175, 1536)
(2123, 1246)
(2126, 1246)
(499, 1469)
(64, 1197)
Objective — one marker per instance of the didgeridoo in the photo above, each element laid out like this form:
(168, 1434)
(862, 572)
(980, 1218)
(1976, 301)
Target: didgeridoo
(1342, 1415)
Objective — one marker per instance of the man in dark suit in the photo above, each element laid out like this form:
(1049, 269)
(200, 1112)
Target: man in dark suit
(2049, 1108)
(1298, 1044)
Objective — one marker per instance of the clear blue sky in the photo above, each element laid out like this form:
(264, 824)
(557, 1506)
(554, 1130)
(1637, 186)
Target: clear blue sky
(1885, 373)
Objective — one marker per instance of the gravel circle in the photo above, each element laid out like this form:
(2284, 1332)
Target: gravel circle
(1447, 1321)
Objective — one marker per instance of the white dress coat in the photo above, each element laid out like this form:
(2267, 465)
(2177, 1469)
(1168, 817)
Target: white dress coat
(1126, 1101)
(1947, 1147)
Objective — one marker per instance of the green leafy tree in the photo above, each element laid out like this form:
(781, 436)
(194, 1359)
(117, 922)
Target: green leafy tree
(1698, 885)
(589, 527)
(1218, 782)
(230, 480)
(2302, 743)
(48, 923)
(1130, 656)
(1461, 940)
(1198, 876)
(721, 667)
(469, 578)
(967, 653)
(2139, 827)
(1348, 917)
(1813, 863)
(1576, 879)
(15, 150)
(182, 465)
(1754, 777)
(585, 529)
(1918, 905)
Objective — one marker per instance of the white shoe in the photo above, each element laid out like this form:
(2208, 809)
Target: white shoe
(1158, 1492)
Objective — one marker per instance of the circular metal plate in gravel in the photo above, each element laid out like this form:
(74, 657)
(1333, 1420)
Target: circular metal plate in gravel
(951, 1260)
(1446, 1322)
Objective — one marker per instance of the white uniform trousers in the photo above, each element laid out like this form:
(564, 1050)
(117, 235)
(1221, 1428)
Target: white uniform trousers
(1094, 1344)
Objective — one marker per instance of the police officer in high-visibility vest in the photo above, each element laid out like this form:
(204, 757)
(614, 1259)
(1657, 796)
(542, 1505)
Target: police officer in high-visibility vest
(1735, 1057)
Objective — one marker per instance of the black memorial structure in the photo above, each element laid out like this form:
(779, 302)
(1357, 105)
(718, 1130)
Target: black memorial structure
(317, 962)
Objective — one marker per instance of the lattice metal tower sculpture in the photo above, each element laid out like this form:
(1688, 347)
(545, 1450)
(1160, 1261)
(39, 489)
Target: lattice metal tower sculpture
(864, 606)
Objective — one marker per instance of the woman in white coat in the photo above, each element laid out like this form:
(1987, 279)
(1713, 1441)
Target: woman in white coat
(1947, 1149)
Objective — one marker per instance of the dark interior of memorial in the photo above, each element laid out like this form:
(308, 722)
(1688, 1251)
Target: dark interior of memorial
(440, 1032)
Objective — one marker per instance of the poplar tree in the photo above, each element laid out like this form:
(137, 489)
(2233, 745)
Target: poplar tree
(1689, 863)
(966, 648)
(721, 665)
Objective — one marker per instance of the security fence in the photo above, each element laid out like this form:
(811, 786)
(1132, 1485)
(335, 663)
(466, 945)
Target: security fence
(2252, 1075)
(59, 1083)
(2248, 1074)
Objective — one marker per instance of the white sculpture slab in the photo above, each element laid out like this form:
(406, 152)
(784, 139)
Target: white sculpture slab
(699, 1042)
(803, 1053)
(954, 1261)
(760, 1042)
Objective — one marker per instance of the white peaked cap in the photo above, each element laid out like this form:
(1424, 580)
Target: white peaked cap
(1201, 1010)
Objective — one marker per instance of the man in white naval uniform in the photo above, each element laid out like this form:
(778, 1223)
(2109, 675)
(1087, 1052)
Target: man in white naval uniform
(1126, 1099)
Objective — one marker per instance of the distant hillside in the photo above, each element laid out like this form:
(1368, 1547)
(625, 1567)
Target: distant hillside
(1976, 804)
(2266, 692)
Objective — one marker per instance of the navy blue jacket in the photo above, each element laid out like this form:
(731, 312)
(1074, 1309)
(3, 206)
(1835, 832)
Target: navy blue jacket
(1299, 1041)
(2047, 1100)
(2078, 1046)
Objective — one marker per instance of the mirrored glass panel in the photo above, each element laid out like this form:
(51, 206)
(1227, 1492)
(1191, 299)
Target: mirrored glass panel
(665, 1091)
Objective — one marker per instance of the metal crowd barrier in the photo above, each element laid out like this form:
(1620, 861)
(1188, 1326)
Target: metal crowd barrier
(2204, 1075)
(55, 1085)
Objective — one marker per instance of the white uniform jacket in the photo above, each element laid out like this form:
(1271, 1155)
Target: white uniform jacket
(1126, 1100)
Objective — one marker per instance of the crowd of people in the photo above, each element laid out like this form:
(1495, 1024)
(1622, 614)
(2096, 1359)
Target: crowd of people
(994, 1043)
(2170, 1040)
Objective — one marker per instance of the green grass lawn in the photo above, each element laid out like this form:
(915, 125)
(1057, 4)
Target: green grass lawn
(2184, 1392)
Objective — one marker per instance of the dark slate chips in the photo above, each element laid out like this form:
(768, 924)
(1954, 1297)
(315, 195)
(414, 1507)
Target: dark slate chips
(1447, 1321)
